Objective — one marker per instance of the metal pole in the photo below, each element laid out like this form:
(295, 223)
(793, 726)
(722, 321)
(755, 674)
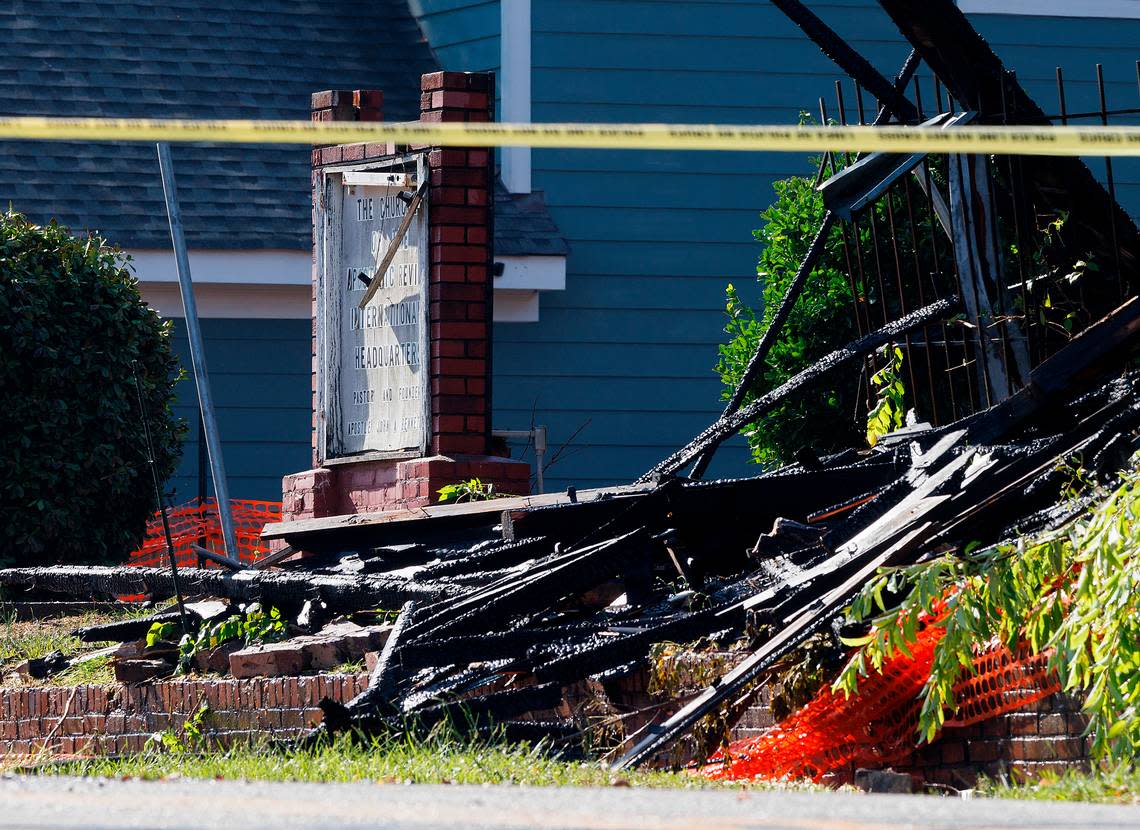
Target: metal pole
(197, 353)
(538, 435)
(539, 456)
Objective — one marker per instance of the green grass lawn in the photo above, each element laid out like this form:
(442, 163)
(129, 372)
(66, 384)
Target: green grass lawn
(22, 640)
(447, 760)
(1119, 785)
(391, 760)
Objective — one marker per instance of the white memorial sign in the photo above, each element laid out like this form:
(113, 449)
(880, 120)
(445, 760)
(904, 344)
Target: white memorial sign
(375, 359)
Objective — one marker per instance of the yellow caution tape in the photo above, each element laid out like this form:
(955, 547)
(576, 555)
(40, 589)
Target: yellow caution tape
(1045, 141)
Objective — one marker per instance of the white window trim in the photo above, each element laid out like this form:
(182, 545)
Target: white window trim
(514, 88)
(271, 284)
(232, 300)
(517, 287)
(256, 267)
(1053, 8)
(538, 273)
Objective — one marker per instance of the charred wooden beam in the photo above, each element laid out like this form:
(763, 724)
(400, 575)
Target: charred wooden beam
(344, 593)
(482, 648)
(377, 698)
(978, 79)
(747, 383)
(532, 593)
(504, 554)
(494, 707)
(123, 630)
(1101, 348)
(850, 61)
(726, 427)
(568, 662)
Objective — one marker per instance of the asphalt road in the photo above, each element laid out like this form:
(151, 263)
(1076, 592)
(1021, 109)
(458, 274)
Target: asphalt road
(87, 803)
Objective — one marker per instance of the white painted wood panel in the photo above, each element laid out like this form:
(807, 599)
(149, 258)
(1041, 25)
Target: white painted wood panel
(373, 362)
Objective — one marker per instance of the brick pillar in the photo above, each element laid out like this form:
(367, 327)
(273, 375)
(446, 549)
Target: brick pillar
(348, 105)
(313, 494)
(460, 292)
(460, 287)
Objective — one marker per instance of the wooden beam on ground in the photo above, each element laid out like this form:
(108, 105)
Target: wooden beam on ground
(340, 593)
(469, 514)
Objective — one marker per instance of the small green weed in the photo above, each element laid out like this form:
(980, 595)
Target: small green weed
(473, 489)
(253, 625)
(888, 413)
(185, 740)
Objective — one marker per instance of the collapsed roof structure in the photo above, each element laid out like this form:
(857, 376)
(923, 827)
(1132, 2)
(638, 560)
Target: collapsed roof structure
(508, 605)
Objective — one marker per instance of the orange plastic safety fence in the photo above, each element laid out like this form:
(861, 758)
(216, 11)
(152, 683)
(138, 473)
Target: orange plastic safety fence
(198, 523)
(879, 725)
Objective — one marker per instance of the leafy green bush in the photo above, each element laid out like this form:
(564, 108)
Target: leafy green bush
(823, 318)
(888, 267)
(75, 485)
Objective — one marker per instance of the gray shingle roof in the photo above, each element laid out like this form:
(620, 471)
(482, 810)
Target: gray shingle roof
(198, 59)
(523, 226)
(192, 58)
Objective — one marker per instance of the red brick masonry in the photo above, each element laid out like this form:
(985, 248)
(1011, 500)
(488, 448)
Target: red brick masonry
(121, 718)
(1045, 736)
(1042, 737)
(460, 294)
(384, 485)
(110, 720)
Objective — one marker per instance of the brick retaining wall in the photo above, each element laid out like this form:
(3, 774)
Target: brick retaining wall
(1044, 736)
(117, 719)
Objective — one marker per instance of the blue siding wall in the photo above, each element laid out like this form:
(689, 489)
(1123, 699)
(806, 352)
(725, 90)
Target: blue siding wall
(260, 376)
(625, 354)
(463, 34)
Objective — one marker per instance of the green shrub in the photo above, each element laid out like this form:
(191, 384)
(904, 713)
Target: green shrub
(885, 283)
(821, 417)
(75, 485)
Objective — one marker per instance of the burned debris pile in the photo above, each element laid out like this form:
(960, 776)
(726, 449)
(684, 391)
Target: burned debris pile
(505, 606)
(498, 613)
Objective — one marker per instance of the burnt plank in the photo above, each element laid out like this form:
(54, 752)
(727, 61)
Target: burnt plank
(978, 80)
